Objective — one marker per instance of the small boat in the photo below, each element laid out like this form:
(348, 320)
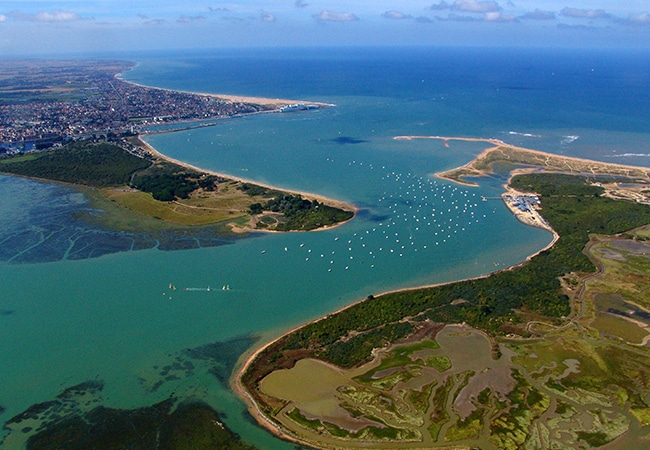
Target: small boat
(225, 287)
(172, 287)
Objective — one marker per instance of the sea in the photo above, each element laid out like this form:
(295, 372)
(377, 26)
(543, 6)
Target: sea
(85, 322)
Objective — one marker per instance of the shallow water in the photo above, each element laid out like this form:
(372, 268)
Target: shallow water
(115, 318)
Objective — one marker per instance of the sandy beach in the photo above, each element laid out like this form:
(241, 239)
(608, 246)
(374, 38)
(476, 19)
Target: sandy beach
(547, 161)
(275, 103)
(306, 195)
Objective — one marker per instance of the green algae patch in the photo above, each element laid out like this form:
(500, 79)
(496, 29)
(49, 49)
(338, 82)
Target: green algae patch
(441, 363)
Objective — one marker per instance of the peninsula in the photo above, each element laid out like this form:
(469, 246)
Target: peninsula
(550, 353)
(77, 122)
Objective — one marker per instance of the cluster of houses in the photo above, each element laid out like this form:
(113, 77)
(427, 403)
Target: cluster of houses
(524, 203)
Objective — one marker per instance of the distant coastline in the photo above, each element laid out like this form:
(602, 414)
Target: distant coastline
(274, 103)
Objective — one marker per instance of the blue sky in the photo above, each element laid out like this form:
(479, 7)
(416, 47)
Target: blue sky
(53, 26)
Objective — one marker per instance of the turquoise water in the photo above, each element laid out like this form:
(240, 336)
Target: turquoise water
(114, 318)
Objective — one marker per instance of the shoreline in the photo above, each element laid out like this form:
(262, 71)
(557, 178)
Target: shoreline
(277, 430)
(236, 380)
(497, 144)
(277, 104)
(263, 101)
(307, 195)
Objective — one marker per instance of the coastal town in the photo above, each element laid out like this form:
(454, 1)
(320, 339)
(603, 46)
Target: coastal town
(43, 105)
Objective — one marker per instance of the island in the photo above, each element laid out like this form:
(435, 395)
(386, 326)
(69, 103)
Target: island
(552, 353)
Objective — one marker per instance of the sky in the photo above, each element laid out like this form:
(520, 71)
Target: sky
(43, 27)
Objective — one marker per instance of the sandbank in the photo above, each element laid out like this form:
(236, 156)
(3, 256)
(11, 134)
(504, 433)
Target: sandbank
(264, 101)
(549, 162)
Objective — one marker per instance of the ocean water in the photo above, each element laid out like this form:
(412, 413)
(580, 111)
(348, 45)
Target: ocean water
(115, 318)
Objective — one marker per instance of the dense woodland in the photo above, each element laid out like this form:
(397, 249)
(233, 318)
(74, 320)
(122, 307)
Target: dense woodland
(573, 207)
(167, 182)
(104, 165)
(299, 213)
(82, 162)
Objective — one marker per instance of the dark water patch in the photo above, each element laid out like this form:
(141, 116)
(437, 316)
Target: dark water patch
(222, 356)
(7, 312)
(91, 387)
(160, 426)
(2, 409)
(72, 420)
(642, 314)
(45, 222)
(367, 214)
(54, 243)
(36, 412)
(344, 140)
(632, 246)
(217, 359)
(616, 304)
(179, 369)
(71, 402)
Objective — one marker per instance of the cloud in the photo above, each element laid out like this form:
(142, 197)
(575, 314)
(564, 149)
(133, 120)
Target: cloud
(538, 15)
(440, 6)
(213, 9)
(395, 15)
(498, 16)
(333, 16)
(46, 16)
(57, 16)
(641, 19)
(423, 19)
(300, 4)
(267, 17)
(493, 17)
(458, 18)
(476, 6)
(149, 21)
(3, 18)
(154, 22)
(585, 13)
(189, 19)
